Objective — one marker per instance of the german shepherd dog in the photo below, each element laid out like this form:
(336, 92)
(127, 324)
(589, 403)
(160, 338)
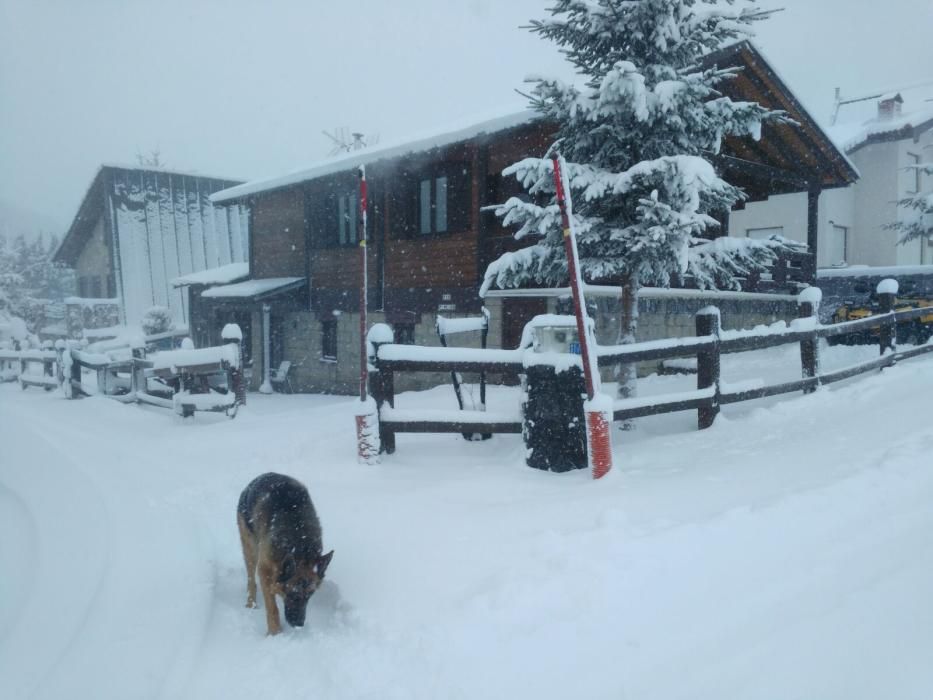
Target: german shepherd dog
(281, 535)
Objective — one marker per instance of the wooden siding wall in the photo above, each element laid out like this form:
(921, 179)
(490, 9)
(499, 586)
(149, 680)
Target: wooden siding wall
(418, 272)
(278, 244)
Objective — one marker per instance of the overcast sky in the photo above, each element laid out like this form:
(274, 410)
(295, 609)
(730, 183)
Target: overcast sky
(243, 89)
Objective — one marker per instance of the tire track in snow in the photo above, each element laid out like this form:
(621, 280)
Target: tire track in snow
(17, 555)
(149, 550)
(71, 560)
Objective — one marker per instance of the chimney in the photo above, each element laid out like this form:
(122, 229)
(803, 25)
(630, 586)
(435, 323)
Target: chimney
(889, 106)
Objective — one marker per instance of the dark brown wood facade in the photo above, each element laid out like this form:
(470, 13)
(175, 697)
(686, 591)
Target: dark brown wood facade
(297, 231)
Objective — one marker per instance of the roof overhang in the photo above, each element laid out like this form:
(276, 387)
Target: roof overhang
(370, 156)
(225, 274)
(254, 290)
(79, 232)
(789, 157)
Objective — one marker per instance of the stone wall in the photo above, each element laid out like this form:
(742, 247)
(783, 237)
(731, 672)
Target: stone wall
(662, 314)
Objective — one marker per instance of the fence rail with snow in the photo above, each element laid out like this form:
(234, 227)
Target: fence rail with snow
(391, 358)
(707, 347)
(185, 380)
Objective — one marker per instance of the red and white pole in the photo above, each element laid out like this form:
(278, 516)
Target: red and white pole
(364, 285)
(598, 407)
(367, 417)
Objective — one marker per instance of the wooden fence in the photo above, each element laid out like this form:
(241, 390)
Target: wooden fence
(390, 359)
(710, 344)
(707, 347)
(186, 377)
(21, 365)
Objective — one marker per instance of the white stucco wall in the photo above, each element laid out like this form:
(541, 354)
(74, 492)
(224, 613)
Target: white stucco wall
(789, 211)
(875, 204)
(916, 252)
(864, 208)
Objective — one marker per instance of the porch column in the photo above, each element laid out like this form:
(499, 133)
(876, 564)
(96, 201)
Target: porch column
(266, 386)
(813, 220)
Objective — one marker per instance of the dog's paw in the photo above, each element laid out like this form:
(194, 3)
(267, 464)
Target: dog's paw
(250, 603)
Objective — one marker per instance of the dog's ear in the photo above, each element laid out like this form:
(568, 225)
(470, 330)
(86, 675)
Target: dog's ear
(322, 563)
(288, 569)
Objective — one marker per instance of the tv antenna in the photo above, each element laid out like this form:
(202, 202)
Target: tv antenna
(839, 101)
(346, 141)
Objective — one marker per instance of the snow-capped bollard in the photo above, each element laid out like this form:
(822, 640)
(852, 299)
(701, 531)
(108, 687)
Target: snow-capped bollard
(381, 383)
(554, 425)
(887, 335)
(808, 307)
(232, 334)
(598, 413)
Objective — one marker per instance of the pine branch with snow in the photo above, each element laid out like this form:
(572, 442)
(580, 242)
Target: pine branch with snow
(916, 221)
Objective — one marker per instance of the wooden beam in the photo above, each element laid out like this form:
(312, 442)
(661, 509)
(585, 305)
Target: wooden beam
(813, 211)
(760, 171)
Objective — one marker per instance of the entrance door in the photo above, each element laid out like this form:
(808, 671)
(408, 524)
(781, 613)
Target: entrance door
(276, 340)
(515, 314)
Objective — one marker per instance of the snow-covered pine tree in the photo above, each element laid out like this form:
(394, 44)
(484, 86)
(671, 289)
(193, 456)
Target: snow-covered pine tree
(637, 137)
(917, 221)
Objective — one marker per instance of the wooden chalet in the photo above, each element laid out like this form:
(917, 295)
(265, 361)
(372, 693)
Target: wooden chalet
(139, 228)
(430, 238)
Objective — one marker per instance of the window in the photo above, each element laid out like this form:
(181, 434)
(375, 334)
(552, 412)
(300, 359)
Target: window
(329, 339)
(913, 175)
(432, 205)
(94, 288)
(764, 233)
(348, 207)
(838, 240)
(404, 333)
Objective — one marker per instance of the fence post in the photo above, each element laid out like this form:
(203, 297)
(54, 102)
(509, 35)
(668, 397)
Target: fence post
(75, 379)
(48, 364)
(708, 323)
(232, 334)
(138, 380)
(808, 306)
(887, 333)
(60, 363)
(382, 389)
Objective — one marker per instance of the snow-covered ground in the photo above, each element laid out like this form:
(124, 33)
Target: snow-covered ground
(785, 553)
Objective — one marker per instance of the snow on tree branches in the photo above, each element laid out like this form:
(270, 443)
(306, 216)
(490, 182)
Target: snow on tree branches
(637, 136)
(157, 319)
(917, 219)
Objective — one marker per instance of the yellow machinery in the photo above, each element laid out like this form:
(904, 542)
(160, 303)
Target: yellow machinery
(914, 332)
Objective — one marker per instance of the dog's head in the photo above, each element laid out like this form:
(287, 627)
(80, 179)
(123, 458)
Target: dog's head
(299, 580)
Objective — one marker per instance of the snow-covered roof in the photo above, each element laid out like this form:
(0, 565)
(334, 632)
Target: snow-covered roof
(225, 274)
(367, 156)
(253, 288)
(169, 171)
(849, 136)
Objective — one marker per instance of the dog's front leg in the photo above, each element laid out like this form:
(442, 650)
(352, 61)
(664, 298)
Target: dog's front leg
(250, 558)
(267, 577)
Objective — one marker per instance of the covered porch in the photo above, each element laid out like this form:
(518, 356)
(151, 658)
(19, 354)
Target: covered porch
(259, 307)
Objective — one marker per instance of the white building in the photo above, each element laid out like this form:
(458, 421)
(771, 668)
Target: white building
(852, 220)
